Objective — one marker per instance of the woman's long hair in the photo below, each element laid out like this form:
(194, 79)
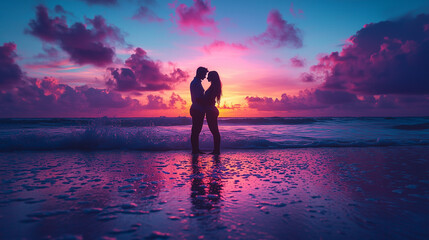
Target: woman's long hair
(216, 85)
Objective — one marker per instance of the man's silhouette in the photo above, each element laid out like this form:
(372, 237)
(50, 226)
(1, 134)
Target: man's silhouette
(197, 108)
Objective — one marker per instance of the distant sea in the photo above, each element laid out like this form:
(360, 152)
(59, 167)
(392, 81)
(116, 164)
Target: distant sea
(162, 134)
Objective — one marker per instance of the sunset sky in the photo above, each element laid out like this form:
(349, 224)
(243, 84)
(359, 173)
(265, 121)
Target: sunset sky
(136, 58)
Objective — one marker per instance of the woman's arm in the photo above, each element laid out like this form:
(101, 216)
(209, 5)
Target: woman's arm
(208, 95)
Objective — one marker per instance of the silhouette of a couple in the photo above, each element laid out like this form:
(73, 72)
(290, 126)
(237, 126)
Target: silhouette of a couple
(203, 104)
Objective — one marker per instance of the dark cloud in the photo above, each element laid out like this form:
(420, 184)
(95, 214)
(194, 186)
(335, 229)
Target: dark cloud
(146, 15)
(48, 98)
(83, 45)
(101, 2)
(389, 57)
(59, 9)
(123, 80)
(279, 33)
(143, 74)
(10, 72)
(197, 17)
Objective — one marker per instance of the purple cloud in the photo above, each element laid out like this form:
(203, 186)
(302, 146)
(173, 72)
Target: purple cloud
(83, 45)
(197, 17)
(279, 33)
(382, 70)
(297, 62)
(49, 53)
(101, 2)
(307, 77)
(341, 103)
(123, 80)
(145, 14)
(48, 98)
(143, 74)
(10, 72)
(155, 102)
(304, 101)
(388, 57)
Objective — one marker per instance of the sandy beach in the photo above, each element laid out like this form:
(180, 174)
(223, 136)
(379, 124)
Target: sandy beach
(316, 193)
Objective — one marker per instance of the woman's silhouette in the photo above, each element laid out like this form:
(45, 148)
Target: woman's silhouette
(212, 95)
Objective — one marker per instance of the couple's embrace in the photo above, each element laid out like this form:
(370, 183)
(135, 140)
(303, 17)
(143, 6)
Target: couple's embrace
(203, 104)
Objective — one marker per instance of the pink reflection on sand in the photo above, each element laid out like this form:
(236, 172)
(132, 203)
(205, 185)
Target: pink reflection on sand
(300, 193)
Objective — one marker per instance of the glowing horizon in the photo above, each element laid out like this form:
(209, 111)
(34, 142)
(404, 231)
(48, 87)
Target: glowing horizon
(281, 58)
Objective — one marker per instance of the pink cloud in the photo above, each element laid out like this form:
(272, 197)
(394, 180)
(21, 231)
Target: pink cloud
(221, 45)
(175, 100)
(297, 62)
(143, 74)
(304, 101)
(197, 17)
(83, 45)
(156, 102)
(63, 64)
(279, 33)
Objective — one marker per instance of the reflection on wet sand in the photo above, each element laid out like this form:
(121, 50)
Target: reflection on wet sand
(328, 193)
(206, 192)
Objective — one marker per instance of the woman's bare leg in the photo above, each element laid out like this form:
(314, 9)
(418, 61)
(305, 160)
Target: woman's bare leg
(214, 129)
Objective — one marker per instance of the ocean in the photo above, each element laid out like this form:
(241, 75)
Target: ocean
(276, 178)
(162, 134)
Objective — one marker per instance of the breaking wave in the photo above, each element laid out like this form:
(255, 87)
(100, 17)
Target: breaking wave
(153, 139)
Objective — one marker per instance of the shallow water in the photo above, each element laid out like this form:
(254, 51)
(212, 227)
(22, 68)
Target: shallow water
(162, 134)
(308, 193)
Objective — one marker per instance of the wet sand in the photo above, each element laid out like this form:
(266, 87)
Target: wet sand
(317, 193)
